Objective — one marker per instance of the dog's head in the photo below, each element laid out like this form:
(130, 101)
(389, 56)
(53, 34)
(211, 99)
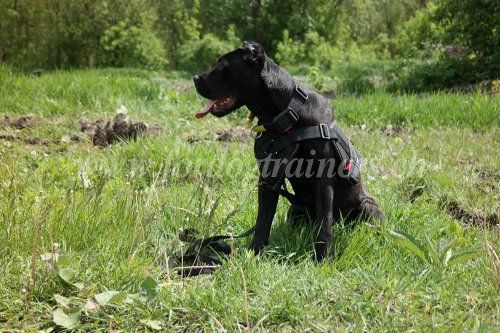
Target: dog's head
(230, 83)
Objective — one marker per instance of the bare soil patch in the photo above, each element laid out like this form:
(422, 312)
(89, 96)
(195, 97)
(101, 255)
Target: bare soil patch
(31, 140)
(19, 123)
(460, 214)
(230, 134)
(397, 130)
(234, 134)
(104, 132)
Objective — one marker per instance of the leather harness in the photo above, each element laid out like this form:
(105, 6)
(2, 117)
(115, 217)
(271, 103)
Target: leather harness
(277, 142)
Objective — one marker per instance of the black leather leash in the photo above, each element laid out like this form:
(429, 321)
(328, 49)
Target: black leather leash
(203, 256)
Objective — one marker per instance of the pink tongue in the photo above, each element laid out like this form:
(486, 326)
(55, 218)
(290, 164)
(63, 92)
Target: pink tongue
(205, 111)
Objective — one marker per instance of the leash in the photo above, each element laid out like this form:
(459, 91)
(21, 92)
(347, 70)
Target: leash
(203, 256)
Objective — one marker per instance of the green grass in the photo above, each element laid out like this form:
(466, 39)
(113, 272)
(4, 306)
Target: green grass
(114, 214)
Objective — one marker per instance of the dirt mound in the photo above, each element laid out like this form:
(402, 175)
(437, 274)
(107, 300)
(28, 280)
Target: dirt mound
(31, 140)
(104, 132)
(19, 123)
(398, 130)
(230, 134)
(234, 134)
(461, 214)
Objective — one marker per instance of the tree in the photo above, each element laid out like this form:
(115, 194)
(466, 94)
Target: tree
(474, 24)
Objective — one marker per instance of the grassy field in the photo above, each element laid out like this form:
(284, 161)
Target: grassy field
(86, 232)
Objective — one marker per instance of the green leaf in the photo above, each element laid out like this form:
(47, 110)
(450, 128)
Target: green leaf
(67, 318)
(464, 256)
(140, 297)
(110, 297)
(409, 243)
(61, 300)
(59, 259)
(445, 251)
(78, 285)
(156, 325)
(63, 260)
(149, 285)
(455, 228)
(431, 250)
(446, 257)
(67, 275)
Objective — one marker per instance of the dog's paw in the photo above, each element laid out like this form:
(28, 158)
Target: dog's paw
(256, 246)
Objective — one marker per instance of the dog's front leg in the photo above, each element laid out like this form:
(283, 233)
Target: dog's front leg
(268, 200)
(324, 209)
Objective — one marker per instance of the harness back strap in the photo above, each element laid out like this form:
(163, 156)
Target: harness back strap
(321, 131)
(350, 160)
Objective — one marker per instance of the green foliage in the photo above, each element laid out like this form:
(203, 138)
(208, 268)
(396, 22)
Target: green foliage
(127, 45)
(188, 35)
(265, 21)
(419, 35)
(67, 317)
(444, 72)
(473, 24)
(365, 20)
(177, 23)
(457, 42)
(436, 254)
(357, 79)
(315, 51)
(200, 54)
(316, 78)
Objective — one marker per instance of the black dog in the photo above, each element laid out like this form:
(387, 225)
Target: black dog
(294, 122)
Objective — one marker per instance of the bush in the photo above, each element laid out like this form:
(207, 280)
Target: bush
(316, 78)
(127, 45)
(201, 54)
(418, 34)
(357, 79)
(428, 75)
(313, 51)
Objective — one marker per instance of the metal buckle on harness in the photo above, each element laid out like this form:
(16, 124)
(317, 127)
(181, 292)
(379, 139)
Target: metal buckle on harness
(324, 130)
(301, 93)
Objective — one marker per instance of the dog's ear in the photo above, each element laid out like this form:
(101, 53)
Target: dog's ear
(253, 52)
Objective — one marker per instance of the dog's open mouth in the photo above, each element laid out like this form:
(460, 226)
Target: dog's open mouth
(217, 106)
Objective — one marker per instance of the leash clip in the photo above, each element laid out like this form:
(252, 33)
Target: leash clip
(255, 133)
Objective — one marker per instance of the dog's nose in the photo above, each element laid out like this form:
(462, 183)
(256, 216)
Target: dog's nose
(195, 78)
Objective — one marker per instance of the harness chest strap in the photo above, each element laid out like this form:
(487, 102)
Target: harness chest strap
(284, 121)
(321, 131)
